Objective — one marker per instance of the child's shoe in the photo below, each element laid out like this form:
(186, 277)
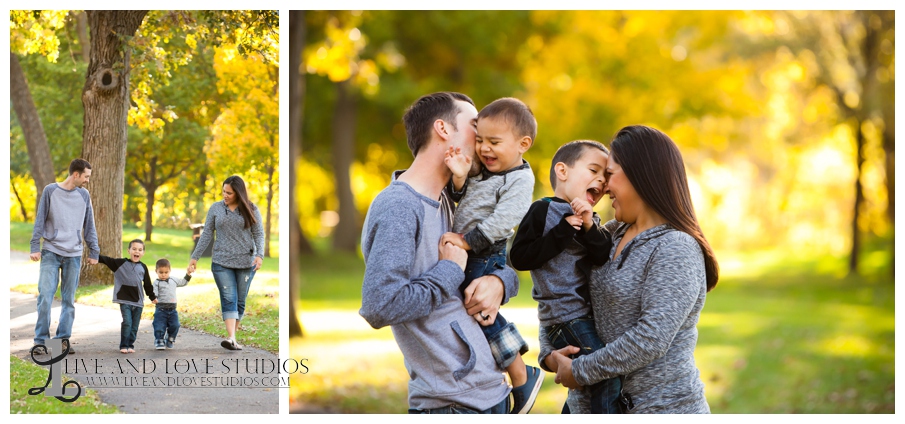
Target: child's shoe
(523, 396)
(170, 343)
(159, 345)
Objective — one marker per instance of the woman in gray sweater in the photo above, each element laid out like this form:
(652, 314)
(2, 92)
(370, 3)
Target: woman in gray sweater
(647, 299)
(237, 254)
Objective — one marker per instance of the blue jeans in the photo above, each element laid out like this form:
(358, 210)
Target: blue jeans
(56, 271)
(129, 330)
(500, 408)
(505, 341)
(166, 324)
(233, 285)
(581, 332)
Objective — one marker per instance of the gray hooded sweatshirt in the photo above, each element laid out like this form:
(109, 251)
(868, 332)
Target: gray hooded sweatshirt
(646, 304)
(406, 287)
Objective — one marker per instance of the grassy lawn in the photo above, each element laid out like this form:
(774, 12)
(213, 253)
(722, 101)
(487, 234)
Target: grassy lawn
(783, 332)
(27, 375)
(199, 301)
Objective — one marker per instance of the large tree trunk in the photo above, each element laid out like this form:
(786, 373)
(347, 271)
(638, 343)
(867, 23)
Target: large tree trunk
(105, 98)
(346, 233)
(150, 194)
(27, 114)
(296, 98)
(81, 23)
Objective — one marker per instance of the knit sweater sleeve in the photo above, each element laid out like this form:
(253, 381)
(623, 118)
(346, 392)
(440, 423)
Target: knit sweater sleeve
(531, 248)
(668, 296)
(514, 201)
(257, 232)
(40, 217)
(90, 231)
(149, 287)
(390, 293)
(207, 234)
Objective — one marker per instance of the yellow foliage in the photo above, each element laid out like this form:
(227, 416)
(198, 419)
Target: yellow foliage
(30, 34)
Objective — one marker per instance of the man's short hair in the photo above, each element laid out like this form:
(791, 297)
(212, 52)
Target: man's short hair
(570, 152)
(162, 263)
(516, 113)
(78, 165)
(420, 116)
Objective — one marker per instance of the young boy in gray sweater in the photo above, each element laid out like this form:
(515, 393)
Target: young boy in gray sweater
(559, 240)
(490, 204)
(131, 281)
(166, 317)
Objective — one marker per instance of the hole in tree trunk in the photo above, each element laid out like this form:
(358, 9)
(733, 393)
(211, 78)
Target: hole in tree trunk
(106, 79)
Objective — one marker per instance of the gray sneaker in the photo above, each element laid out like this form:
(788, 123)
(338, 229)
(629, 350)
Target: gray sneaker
(170, 343)
(159, 345)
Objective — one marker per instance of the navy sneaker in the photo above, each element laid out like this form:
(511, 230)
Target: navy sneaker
(170, 343)
(523, 396)
(158, 344)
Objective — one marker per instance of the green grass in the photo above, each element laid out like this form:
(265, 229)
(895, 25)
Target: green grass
(24, 375)
(175, 245)
(199, 301)
(783, 332)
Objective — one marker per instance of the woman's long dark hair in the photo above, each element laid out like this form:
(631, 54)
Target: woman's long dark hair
(653, 164)
(245, 206)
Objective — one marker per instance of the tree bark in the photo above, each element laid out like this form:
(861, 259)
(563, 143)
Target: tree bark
(150, 194)
(105, 98)
(346, 233)
(81, 23)
(296, 105)
(27, 114)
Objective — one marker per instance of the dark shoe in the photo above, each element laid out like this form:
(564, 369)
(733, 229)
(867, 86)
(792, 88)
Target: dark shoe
(171, 343)
(523, 396)
(158, 344)
(230, 344)
(38, 350)
(67, 345)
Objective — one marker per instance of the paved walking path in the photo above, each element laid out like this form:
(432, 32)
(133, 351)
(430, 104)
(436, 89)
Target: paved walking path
(198, 376)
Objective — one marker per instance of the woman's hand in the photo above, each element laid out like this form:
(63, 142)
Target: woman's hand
(191, 267)
(562, 364)
(258, 262)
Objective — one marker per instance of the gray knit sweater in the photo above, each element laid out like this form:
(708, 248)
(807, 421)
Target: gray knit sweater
(235, 246)
(492, 205)
(406, 287)
(646, 303)
(63, 219)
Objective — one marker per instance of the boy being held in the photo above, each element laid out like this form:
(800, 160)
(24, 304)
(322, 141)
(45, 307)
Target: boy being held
(559, 240)
(490, 205)
(166, 317)
(131, 280)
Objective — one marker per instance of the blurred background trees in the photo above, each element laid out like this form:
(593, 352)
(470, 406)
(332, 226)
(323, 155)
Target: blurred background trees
(165, 104)
(785, 119)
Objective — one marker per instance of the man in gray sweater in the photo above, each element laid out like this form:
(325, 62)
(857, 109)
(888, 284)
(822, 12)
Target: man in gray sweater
(64, 217)
(411, 282)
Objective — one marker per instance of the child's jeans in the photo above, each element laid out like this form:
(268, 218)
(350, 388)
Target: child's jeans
(580, 332)
(505, 341)
(129, 330)
(166, 323)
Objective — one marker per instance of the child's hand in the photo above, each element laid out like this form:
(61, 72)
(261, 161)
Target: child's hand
(154, 301)
(455, 239)
(574, 221)
(457, 163)
(582, 208)
(453, 253)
